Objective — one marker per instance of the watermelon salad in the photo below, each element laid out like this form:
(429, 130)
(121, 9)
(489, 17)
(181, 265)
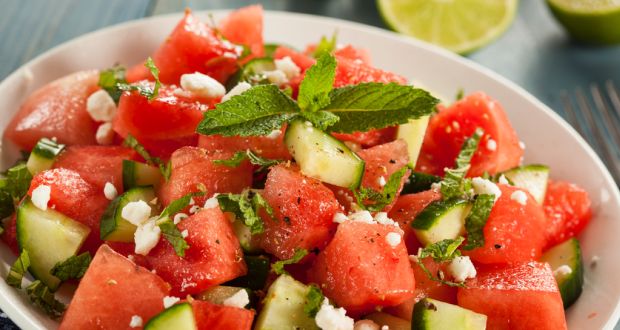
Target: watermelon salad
(228, 183)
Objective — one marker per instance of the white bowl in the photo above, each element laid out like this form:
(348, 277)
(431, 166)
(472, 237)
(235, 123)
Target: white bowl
(549, 139)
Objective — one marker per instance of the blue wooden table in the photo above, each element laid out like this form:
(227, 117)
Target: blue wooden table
(534, 53)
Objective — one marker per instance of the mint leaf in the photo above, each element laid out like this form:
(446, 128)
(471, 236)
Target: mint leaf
(476, 219)
(325, 45)
(314, 299)
(144, 89)
(155, 72)
(233, 161)
(442, 251)
(320, 119)
(258, 111)
(72, 268)
(43, 297)
(174, 236)
(18, 270)
(459, 94)
(133, 143)
(110, 79)
(375, 105)
(318, 82)
(254, 159)
(14, 185)
(246, 207)
(278, 266)
(454, 183)
(380, 200)
(178, 205)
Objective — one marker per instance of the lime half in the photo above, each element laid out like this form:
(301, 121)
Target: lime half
(589, 21)
(458, 25)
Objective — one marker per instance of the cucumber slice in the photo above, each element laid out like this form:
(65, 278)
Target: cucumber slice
(258, 271)
(533, 178)
(178, 317)
(322, 156)
(49, 237)
(431, 314)
(413, 133)
(441, 220)
(248, 244)
(270, 49)
(116, 229)
(419, 182)
(136, 174)
(392, 322)
(43, 155)
(284, 306)
(251, 72)
(567, 254)
(218, 294)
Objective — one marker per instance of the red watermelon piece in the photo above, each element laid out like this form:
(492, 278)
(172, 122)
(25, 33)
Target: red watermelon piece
(57, 109)
(10, 234)
(522, 296)
(211, 316)
(244, 26)
(406, 209)
(265, 146)
(568, 209)
(214, 255)
(110, 280)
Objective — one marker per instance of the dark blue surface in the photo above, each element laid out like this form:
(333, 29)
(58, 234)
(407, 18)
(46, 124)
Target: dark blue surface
(534, 53)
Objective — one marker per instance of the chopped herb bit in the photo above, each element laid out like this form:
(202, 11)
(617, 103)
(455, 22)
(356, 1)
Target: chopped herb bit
(254, 159)
(246, 207)
(18, 270)
(178, 204)
(379, 200)
(476, 219)
(460, 94)
(42, 296)
(143, 89)
(454, 183)
(164, 168)
(72, 268)
(314, 299)
(110, 79)
(442, 251)
(174, 236)
(14, 185)
(278, 266)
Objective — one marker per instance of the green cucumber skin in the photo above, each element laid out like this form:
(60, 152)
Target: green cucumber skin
(136, 174)
(166, 319)
(47, 148)
(434, 211)
(572, 285)
(111, 219)
(108, 220)
(129, 174)
(419, 182)
(258, 271)
(512, 175)
(451, 317)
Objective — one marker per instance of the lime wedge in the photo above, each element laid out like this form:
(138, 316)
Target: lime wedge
(589, 21)
(458, 25)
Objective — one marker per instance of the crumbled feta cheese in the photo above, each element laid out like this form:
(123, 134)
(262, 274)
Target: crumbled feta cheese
(179, 217)
(274, 134)
(109, 191)
(562, 271)
(366, 325)
(462, 268)
(414, 258)
(521, 145)
(184, 233)
(436, 186)
(41, 196)
(105, 134)
(385, 327)
(594, 261)
(393, 239)
(502, 179)
(192, 201)
(136, 322)
(100, 106)
(112, 282)
(361, 216)
(276, 77)
(484, 186)
(519, 196)
(202, 85)
(381, 181)
(136, 212)
(212, 202)
(240, 299)
(170, 301)
(146, 237)
(330, 318)
(491, 145)
(194, 209)
(237, 90)
(287, 66)
(340, 217)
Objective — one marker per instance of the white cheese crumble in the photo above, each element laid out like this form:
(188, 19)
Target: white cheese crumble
(41, 196)
(136, 322)
(340, 217)
(237, 90)
(240, 299)
(136, 212)
(287, 66)
(521, 145)
(563, 271)
(393, 239)
(276, 77)
(194, 209)
(385, 327)
(462, 268)
(212, 202)
(366, 325)
(100, 106)
(146, 237)
(274, 134)
(484, 186)
(382, 218)
(109, 191)
(179, 217)
(202, 85)
(519, 196)
(330, 318)
(361, 216)
(491, 145)
(105, 134)
(414, 258)
(170, 301)
(184, 233)
(502, 179)
(381, 181)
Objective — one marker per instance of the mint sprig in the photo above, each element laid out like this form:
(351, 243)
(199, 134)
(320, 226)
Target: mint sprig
(41, 295)
(110, 79)
(454, 183)
(318, 82)
(144, 90)
(325, 45)
(14, 184)
(18, 270)
(246, 207)
(372, 200)
(278, 266)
